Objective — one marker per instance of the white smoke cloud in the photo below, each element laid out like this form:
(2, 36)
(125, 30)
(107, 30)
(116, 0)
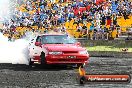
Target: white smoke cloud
(14, 52)
(5, 9)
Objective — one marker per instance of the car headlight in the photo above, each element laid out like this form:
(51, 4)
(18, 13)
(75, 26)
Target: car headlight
(55, 53)
(83, 52)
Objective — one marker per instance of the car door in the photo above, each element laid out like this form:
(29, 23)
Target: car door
(35, 50)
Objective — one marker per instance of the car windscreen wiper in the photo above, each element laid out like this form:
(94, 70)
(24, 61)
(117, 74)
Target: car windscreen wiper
(49, 43)
(69, 43)
(53, 43)
(58, 43)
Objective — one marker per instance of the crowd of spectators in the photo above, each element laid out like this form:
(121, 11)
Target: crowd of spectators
(98, 17)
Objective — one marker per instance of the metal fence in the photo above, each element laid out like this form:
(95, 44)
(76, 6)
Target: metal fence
(103, 35)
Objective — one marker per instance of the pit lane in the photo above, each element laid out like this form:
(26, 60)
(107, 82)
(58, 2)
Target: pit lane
(22, 76)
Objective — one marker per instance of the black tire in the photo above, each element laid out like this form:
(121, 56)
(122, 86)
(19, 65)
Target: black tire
(30, 63)
(43, 59)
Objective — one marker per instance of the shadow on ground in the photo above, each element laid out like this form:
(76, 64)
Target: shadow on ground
(22, 67)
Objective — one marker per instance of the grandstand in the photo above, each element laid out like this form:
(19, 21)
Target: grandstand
(92, 19)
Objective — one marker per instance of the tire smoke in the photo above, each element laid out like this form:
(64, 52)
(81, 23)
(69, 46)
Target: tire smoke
(14, 52)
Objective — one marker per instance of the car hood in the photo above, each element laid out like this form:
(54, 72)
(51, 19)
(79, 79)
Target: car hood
(63, 47)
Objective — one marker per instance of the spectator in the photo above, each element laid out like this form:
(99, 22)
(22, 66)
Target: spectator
(49, 13)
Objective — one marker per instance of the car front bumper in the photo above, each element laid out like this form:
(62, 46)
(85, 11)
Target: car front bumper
(67, 59)
(63, 59)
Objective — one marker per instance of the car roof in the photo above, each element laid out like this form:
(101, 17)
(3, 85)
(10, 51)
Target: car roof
(52, 33)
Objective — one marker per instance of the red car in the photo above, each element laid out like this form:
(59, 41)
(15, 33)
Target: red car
(57, 49)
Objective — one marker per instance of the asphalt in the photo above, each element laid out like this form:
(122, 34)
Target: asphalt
(113, 54)
(22, 76)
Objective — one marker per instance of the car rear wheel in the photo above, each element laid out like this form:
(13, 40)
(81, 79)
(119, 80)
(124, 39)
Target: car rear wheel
(43, 59)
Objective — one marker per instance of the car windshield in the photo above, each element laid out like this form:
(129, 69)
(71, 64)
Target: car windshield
(57, 39)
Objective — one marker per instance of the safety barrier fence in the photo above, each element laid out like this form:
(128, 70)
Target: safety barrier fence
(94, 34)
(91, 34)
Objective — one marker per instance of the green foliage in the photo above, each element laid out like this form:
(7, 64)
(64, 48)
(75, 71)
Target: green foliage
(102, 45)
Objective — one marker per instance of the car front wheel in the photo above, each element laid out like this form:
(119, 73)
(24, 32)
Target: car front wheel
(43, 59)
(30, 62)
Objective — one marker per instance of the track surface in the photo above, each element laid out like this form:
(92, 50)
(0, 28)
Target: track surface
(22, 76)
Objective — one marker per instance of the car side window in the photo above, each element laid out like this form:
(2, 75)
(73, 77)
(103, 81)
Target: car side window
(38, 39)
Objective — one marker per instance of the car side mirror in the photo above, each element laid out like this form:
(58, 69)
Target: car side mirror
(38, 44)
(78, 44)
